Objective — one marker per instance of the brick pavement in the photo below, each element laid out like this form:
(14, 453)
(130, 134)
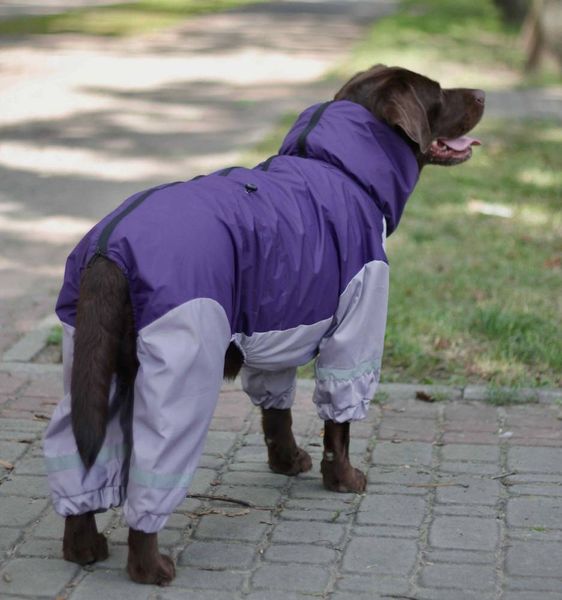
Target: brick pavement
(464, 502)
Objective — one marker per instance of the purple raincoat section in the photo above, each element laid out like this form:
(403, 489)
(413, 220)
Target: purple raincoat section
(274, 247)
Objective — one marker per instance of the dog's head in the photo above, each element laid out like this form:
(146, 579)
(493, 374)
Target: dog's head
(433, 120)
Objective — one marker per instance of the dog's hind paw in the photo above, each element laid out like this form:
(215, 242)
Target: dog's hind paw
(82, 543)
(342, 478)
(160, 571)
(293, 463)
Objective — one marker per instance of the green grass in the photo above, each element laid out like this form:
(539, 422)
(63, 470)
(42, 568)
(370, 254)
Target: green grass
(116, 20)
(457, 42)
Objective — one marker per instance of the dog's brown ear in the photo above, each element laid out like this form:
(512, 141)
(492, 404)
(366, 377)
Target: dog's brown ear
(352, 89)
(403, 108)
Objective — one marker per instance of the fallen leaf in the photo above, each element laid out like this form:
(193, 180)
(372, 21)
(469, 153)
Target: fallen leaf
(424, 396)
(6, 465)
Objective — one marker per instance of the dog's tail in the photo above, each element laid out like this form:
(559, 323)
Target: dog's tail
(102, 347)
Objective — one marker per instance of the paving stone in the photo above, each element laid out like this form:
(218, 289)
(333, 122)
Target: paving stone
(29, 486)
(385, 556)
(312, 489)
(460, 452)
(189, 594)
(545, 489)
(391, 510)
(18, 512)
(405, 453)
(219, 442)
(543, 584)
(49, 576)
(337, 502)
(22, 425)
(397, 480)
(464, 510)
(8, 537)
(373, 584)
(110, 584)
(479, 491)
(534, 558)
(308, 533)
(250, 527)
(468, 557)
(532, 596)
(325, 516)
(301, 553)
(199, 579)
(117, 559)
(274, 595)
(166, 537)
(464, 533)
(448, 594)
(293, 578)
(383, 531)
(536, 533)
(538, 511)
(464, 577)
(540, 460)
(470, 468)
(12, 451)
(30, 466)
(202, 480)
(253, 478)
(218, 555)
(39, 547)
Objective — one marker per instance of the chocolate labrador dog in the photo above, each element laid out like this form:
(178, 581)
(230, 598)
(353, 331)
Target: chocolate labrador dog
(250, 271)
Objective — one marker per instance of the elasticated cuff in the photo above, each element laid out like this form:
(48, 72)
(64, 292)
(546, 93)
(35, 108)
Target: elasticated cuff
(95, 500)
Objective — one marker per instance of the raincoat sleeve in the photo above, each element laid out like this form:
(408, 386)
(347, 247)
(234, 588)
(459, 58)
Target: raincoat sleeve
(270, 389)
(349, 360)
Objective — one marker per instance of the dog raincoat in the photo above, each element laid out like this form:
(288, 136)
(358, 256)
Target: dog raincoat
(286, 259)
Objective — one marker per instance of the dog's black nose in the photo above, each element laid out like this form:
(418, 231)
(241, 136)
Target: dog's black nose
(479, 96)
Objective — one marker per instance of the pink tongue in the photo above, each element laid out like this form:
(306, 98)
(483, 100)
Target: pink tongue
(461, 143)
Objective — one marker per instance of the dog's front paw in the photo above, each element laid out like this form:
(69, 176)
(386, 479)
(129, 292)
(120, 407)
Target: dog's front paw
(158, 570)
(342, 477)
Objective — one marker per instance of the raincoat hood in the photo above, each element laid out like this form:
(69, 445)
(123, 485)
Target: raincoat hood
(348, 136)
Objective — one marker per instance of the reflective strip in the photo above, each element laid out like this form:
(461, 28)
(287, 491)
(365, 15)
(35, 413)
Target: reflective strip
(73, 461)
(324, 373)
(162, 481)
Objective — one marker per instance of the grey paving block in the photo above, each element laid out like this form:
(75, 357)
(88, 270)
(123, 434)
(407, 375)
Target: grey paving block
(30, 466)
(202, 480)
(448, 594)
(463, 577)
(250, 527)
(49, 576)
(325, 516)
(308, 533)
(292, 578)
(274, 595)
(258, 495)
(397, 480)
(198, 579)
(538, 511)
(300, 553)
(470, 452)
(383, 531)
(18, 512)
(373, 584)
(534, 558)
(464, 533)
(543, 584)
(470, 468)
(539, 460)
(12, 451)
(110, 584)
(22, 425)
(479, 491)
(383, 556)
(189, 594)
(29, 486)
(391, 510)
(8, 537)
(536, 533)
(117, 559)
(255, 478)
(464, 510)
(218, 555)
(219, 442)
(527, 595)
(461, 557)
(41, 548)
(405, 453)
(332, 503)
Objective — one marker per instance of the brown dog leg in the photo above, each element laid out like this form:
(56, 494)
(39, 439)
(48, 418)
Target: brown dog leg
(82, 543)
(285, 457)
(145, 564)
(337, 473)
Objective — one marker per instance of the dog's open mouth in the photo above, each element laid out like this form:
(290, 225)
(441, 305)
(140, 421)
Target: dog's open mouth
(452, 151)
